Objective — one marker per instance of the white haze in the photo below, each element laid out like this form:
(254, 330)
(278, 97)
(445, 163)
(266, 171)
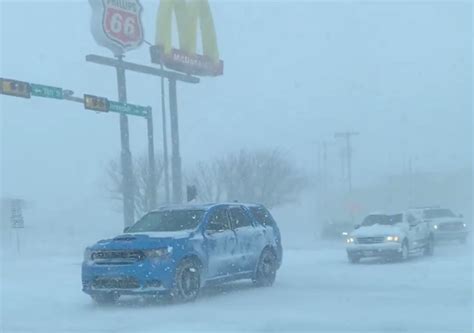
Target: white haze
(400, 73)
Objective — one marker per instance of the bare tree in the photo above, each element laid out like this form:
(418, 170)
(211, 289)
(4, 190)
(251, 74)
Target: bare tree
(141, 181)
(267, 177)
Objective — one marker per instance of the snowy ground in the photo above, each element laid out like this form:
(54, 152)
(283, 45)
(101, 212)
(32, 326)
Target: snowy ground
(316, 290)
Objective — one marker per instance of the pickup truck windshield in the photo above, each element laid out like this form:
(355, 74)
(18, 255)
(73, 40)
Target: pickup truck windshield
(435, 213)
(382, 219)
(171, 220)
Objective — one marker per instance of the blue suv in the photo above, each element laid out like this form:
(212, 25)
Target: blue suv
(177, 250)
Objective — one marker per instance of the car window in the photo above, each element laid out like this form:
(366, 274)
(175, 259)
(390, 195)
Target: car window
(218, 220)
(238, 218)
(262, 216)
(437, 213)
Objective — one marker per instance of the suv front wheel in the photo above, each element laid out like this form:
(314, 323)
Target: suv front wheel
(403, 255)
(429, 248)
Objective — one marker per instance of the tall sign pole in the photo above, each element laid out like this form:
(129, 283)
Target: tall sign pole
(165, 140)
(175, 155)
(184, 59)
(117, 26)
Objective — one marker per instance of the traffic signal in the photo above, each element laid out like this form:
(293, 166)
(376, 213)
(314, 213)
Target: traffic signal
(96, 103)
(191, 192)
(15, 88)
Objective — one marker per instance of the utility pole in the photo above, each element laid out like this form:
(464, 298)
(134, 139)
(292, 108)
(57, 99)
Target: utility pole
(347, 136)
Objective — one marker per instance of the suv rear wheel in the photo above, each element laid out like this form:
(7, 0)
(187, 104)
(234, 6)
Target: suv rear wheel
(265, 273)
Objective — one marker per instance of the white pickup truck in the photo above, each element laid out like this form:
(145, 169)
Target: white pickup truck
(393, 236)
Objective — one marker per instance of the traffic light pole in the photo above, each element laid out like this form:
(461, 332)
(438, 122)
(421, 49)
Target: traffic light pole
(126, 155)
(152, 186)
(173, 77)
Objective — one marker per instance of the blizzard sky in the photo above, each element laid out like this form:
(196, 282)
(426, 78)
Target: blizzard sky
(294, 73)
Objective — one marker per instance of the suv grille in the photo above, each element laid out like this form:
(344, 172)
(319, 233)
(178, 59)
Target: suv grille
(115, 283)
(370, 240)
(451, 226)
(117, 257)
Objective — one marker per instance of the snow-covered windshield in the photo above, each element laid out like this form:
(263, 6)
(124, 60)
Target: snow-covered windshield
(173, 220)
(382, 219)
(436, 213)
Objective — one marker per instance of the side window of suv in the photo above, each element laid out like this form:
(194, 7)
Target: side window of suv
(238, 218)
(262, 216)
(218, 220)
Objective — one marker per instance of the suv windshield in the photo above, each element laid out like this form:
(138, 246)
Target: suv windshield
(170, 220)
(435, 213)
(382, 219)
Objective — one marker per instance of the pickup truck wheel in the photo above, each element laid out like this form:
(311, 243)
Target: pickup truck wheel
(105, 298)
(404, 252)
(265, 272)
(353, 259)
(187, 282)
(429, 248)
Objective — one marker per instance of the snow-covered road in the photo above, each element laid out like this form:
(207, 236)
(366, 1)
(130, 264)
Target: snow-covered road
(316, 290)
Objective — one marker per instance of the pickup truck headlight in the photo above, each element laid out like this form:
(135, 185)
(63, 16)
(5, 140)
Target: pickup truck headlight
(159, 254)
(435, 227)
(350, 240)
(392, 238)
(87, 254)
(464, 225)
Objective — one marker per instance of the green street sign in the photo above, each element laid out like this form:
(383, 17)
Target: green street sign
(131, 109)
(46, 91)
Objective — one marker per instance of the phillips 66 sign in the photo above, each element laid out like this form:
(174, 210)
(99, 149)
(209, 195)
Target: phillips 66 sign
(117, 24)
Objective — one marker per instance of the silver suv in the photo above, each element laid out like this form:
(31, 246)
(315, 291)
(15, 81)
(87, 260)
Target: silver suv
(444, 223)
(393, 236)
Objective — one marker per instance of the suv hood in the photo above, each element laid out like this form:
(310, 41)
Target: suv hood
(141, 241)
(378, 230)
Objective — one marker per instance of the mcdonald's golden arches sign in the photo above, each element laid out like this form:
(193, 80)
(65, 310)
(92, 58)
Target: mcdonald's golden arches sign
(189, 15)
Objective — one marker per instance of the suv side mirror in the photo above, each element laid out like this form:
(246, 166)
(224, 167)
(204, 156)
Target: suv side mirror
(126, 229)
(357, 226)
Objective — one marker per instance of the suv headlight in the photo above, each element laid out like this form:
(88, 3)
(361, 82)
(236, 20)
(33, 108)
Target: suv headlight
(392, 238)
(159, 254)
(351, 240)
(435, 227)
(464, 225)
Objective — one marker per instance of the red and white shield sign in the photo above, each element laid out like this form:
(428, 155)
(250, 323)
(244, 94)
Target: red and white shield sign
(121, 22)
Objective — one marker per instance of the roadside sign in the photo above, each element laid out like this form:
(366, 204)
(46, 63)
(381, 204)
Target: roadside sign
(117, 24)
(16, 215)
(14, 88)
(96, 103)
(46, 91)
(131, 109)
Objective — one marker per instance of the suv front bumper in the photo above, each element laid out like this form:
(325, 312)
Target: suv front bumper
(387, 249)
(143, 277)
